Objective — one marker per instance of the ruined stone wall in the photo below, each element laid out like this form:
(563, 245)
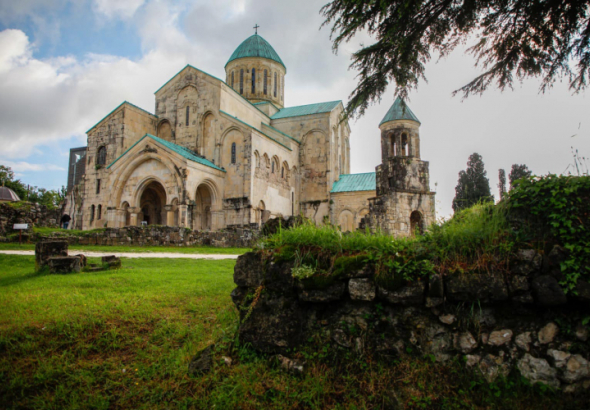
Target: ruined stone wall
(520, 321)
(391, 213)
(349, 208)
(26, 213)
(158, 236)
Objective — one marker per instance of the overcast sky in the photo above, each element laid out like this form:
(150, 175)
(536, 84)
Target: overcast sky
(65, 64)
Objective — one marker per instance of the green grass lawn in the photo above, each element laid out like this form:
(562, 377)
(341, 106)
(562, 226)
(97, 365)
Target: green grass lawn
(123, 339)
(134, 248)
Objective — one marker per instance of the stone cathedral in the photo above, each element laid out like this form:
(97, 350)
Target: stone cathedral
(228, 153)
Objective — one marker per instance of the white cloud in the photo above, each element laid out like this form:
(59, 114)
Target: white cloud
(122, 9)
(22, 166)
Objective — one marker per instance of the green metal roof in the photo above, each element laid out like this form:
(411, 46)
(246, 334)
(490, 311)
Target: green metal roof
(309, 109)
(255, 46)
(355, 182)
(185, 152)
(399, 111)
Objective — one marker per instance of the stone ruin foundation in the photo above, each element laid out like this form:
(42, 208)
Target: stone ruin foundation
(497, 323)
(53, 255)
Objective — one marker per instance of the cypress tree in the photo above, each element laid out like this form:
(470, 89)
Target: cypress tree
(473, 185)
(518, 171)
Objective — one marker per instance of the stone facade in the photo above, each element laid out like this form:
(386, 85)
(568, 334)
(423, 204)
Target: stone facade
(26, 213)
(221, 154)
(404, 203)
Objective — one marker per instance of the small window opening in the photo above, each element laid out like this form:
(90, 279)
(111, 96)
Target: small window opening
(283, 172)
(253, 80)
(101, 158)
(99, 212)
(98, 186)
(275, 90)
(187, 114)
(232, 79)
(404, 145)
(92, 213)
(265, 82)
(233, 153)
(273, 167)
(242, 81)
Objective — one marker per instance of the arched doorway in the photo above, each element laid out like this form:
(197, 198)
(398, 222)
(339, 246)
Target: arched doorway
(416, 223)
(152, 202)
(263, 216)
(203, 203)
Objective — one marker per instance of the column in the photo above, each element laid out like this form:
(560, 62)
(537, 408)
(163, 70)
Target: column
(133, 216)
(183, 216)
(169, 215)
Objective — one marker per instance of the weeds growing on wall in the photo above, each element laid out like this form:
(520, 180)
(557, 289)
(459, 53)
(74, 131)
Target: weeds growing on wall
(556, 210)
(539, 212)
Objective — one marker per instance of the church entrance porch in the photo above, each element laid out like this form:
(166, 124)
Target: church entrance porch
(153, 205)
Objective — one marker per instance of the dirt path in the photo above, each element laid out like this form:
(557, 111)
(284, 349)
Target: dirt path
(135, 255)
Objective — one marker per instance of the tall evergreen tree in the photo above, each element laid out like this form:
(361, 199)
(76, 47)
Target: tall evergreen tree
(502, 183)
(518, 171)
(473, 185)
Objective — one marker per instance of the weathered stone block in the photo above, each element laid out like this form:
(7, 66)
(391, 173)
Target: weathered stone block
(112, 261)
(249, 270)
(361, 289)
(547, 292)
(48, 249)
(411, 294)
(538, 371)
(472, 287)
(64, 264)
(330, 294)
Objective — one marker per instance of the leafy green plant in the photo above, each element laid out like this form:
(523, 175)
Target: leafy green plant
(556, 209)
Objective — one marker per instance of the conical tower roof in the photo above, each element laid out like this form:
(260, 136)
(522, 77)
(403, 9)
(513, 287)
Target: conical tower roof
(255, 46)
(399, 111)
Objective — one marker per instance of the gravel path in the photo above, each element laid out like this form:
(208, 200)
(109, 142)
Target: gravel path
(136, 255)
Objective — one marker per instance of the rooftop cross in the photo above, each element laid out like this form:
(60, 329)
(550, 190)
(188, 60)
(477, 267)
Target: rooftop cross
(256, 28)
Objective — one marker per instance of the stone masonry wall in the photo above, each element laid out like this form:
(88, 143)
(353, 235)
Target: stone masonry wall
(498, 323)
(29, 213)
(159, 236)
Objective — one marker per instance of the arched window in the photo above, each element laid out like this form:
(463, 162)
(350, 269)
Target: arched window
(282, 87)
(99, 216)
(242, 81)
(253, 80)
(405, 145)
(257, 159)
(232, 79)
(265, 81)
(273, 167)
(91, 213)
(282, 172)
(101, 157)
(187, 114)
(275, 90)
(393, 153)
(233, 153)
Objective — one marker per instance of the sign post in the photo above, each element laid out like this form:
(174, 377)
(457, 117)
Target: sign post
(20, 228)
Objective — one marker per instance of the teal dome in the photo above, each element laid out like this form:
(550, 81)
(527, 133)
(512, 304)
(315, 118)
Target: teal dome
(256, 46)
(399, 111)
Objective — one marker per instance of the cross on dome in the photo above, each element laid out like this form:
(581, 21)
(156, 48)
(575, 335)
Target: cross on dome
(256, 28)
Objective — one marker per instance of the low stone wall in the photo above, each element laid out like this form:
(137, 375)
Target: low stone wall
(26, 213)
(160, 236)
(517, 321)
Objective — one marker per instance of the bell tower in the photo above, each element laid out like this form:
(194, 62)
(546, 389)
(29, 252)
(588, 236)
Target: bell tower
(404, 205)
